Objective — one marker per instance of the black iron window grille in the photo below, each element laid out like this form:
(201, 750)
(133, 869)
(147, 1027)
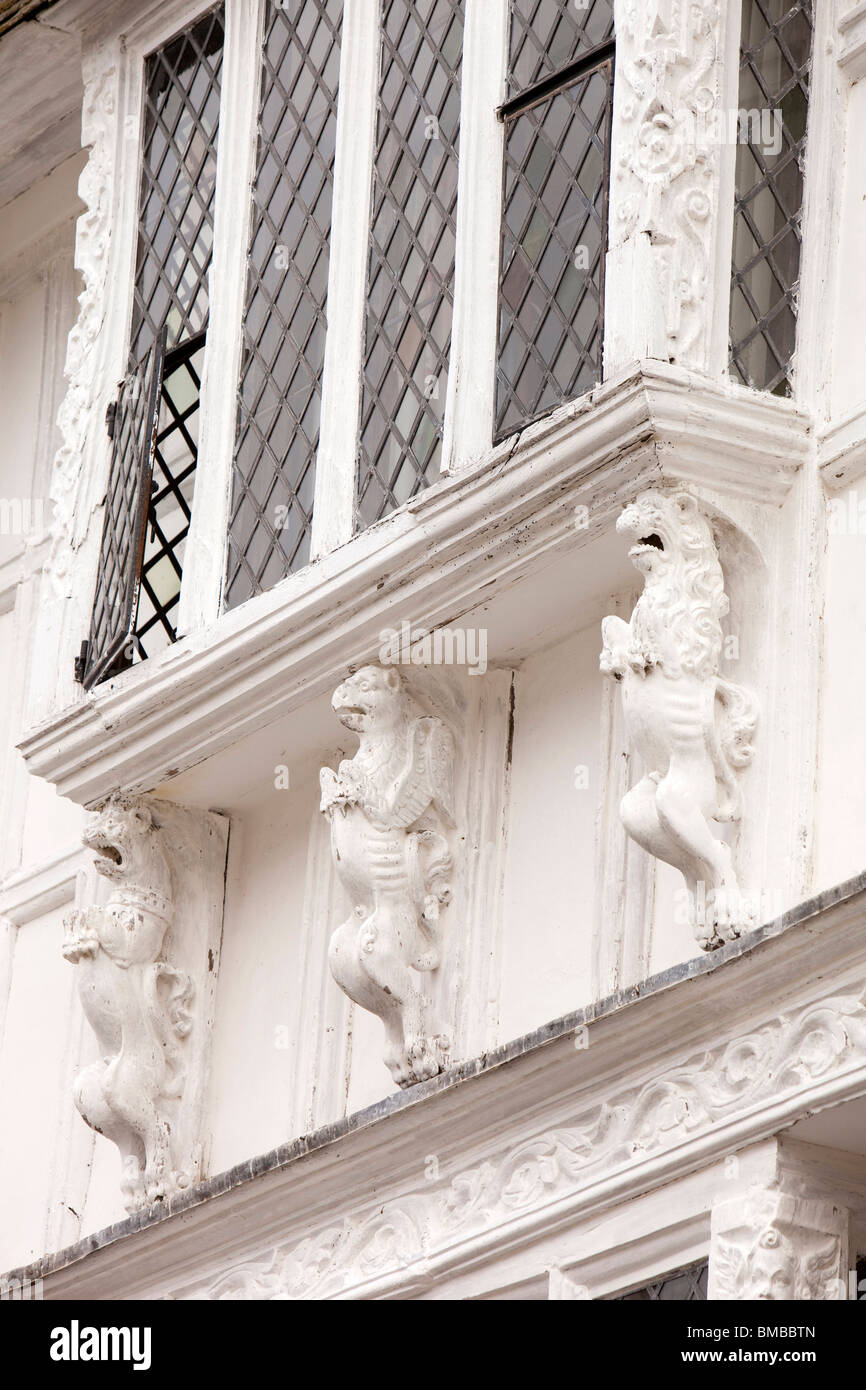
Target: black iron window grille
(279, 397)
(775, 65)
(683, 1286)
(154, 423)
(412, 247)
(555, 194)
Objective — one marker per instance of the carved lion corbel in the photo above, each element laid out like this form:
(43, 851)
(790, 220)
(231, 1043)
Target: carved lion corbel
(390, 808)
(692, 729)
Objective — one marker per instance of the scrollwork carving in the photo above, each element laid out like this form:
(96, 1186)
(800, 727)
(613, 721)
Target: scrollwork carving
(736, 1079)
(666, 153)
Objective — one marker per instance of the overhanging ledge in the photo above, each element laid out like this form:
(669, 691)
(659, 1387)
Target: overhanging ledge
(539, 1136)
(469, 536)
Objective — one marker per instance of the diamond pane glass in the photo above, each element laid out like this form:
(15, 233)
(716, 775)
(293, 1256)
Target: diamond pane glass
(547, 35)
(411, 272)
(684, 1286)
(135, 424)
(178, 179)
(287, 282)
(170, 501)
(553, 244)
(775, 63)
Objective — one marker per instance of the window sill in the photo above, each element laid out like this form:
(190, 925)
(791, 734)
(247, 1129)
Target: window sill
(485, 528)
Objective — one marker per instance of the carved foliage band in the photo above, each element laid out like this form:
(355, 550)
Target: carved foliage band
(666, 129)
(780, 1058)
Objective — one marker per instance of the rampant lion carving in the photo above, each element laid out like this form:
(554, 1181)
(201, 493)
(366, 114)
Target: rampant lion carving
(389, 809)
(692, 729)
(135, 1002)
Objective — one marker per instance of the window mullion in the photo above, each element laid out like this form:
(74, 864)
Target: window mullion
(204, 561)
(469, 404)
(334, 499)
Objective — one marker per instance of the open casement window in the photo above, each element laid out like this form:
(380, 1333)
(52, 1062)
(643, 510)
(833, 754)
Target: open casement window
(133, 427)
(410, 284)
(775, 65)
(555, 192)
(155, 427)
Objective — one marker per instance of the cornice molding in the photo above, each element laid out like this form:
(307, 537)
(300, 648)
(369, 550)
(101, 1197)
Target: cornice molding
(488, 526)
(852, 33)
(842, 450)
(532, 1140)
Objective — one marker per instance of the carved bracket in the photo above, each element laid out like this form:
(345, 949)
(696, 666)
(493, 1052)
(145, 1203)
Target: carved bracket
(692, 729)
(771, 1246)
(147, 971)
(391, 808)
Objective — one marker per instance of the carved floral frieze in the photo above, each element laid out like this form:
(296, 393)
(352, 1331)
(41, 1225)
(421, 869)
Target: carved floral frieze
(725, 1083)
(666, 153)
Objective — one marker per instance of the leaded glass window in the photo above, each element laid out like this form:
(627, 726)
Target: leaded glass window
(411, 268)
(775, 64)
(154, 423)
(687, 1285)
(287, 282)
(554, 227)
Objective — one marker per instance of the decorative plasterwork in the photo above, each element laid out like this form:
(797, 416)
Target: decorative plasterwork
(769, 1245)
(665, 174)
(146, 963)
(784, 1058)
(692, 729)
(391, 810)
(430, 559)
(746, 1074)
(852, 33)
(93, 236)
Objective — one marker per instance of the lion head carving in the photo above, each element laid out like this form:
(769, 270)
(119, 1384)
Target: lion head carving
(125, 837)
(372, 701)
(684, 592)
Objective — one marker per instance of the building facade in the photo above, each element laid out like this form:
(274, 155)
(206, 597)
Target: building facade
(432, 801)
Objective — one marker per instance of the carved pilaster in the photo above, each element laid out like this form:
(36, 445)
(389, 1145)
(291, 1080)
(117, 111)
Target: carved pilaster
(691, 728)
(768, 1245)
(391, 809)
(669, 132)
(147, 961)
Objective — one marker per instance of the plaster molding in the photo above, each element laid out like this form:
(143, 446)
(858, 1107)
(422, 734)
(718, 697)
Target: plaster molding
(791, 998)
(27, 894)
(852, 35)
(652, 424)
(842, 450)
(151, 1015)
(391, 810)
(780, 1057)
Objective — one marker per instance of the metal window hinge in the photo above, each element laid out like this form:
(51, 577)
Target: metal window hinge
(110, 418)
(81, 662)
